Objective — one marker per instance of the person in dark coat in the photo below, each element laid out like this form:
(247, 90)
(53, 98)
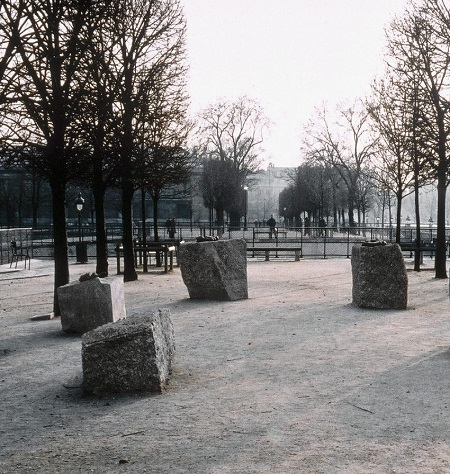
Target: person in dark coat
(306, 225)
(172, 228)
(272, 223)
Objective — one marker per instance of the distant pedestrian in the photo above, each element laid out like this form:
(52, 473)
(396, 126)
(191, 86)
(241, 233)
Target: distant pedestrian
(322, 225)
(172, 228)
(306, 225)
(272, 223)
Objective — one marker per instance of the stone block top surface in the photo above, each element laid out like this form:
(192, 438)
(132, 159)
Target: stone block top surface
(133, 324)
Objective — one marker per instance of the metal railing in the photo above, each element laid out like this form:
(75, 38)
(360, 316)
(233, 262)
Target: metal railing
(315, 241)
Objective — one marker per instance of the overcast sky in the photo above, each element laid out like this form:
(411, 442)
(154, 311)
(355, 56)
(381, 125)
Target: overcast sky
(290, 55)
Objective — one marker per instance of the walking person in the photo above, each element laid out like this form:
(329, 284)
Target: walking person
(306, 225)
(172, 228)
(322, 225)
(272, 223)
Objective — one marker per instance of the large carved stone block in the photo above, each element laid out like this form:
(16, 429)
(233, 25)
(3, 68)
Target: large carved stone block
(130, 355)
(215, 270)
(88, 304)
(379, 277)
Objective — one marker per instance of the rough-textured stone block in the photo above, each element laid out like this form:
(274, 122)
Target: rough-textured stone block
(88, 304)
(379, 277)
(130, 355)
(215, 270)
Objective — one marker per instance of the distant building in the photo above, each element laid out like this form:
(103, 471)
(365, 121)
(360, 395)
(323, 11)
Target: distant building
(265, 187)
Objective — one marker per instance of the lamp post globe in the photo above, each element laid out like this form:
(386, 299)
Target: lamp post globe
(79, 203)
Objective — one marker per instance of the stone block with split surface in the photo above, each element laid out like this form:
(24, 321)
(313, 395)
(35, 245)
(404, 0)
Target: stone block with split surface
(85, 305)
(134, 354)
(215, 270)
(379, 276)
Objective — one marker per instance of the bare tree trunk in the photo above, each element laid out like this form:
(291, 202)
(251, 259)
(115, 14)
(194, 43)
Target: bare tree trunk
(59, 239)
(144, 230)
(100, 231)
(417, 255)
(399, 218)
(219, 216)
(155, 199)
(35, 197)
(129, 272)
(441, 257)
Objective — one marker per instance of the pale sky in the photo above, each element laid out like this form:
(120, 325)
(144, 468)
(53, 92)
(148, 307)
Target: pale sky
(290, 55)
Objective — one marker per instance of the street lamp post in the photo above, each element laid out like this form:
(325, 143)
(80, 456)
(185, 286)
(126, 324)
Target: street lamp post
(246, 206)
(81, 247)
(79, 203)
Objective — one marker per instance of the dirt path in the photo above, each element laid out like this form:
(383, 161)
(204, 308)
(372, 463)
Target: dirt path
(294, 379)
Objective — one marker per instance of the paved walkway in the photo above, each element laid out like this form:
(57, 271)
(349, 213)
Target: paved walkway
(294, 379)
(37, 267)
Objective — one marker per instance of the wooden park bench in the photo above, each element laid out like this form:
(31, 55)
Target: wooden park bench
(267, 250)
(424, 247)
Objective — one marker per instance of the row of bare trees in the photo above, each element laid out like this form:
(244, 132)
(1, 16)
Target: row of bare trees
(410, 107)
(93, 92)
(343, 146)
(397, 140)
(317, 193)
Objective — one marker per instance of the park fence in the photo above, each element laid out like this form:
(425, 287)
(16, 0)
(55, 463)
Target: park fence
(315, 242)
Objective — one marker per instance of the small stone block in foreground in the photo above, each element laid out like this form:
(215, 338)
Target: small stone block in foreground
(85, 305)
(379, 277)
(215, 270)
(134, 354)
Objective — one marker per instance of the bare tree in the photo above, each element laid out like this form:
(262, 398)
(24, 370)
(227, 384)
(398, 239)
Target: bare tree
(146, 35)
(98, 124)
(401, 166)
(232, 132)
(219, 183)
(162, 159)
(392, 163)
(43, 85)
(313, 190)
(345, 144)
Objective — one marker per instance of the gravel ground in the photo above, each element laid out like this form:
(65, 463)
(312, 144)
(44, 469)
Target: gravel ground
(294, 379)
